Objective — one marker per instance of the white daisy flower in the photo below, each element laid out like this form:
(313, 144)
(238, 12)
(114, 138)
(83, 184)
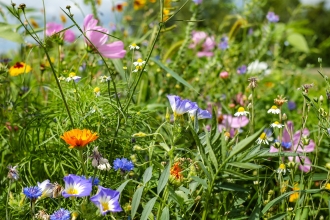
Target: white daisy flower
(72, 76)
(133, 47)
(241, 112)
(281, 169)
(139, 62)
(105, 78)
(274, 110)
(262, 139)
(276, 124)
(97, 91)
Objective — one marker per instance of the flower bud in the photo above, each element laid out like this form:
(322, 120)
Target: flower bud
(137, 148)
(139, 134)
(291, 165)
(284, 117)
(319, 60)
(305, 141)
(327, 165)
(321, 99)
(277, 144)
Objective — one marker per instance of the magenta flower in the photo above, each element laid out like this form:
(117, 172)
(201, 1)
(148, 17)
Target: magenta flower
(296, 145)
(106, 200)
(53, 28)
(207, 43)
(98, 37)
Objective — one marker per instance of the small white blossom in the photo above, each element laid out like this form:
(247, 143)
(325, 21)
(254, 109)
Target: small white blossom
(139, 62)
(105, 166)
(105, 78)
(274, 110)
(241, 112)
(133, 47)
(276, 124)
(262, 139)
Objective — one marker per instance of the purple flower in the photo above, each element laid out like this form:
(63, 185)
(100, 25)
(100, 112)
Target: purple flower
(296, 145)
(32, 192)
(272, 17)
(53, 28)
(61, 214)
(123, 164)
(291, 105)
(94, 180)
(242, 69)
(76, 186)
(201, 114)
(98, 36)
(179, 106)
(223, 45)
(197, 2)
(207, 42)
(47, 188)
(13, 173)
(106, 200)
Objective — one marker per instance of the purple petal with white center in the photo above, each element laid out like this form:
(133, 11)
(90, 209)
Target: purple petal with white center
(107, 200)
(76, 186)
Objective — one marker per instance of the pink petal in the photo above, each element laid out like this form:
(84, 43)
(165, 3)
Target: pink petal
(273, 149)
(304, 163)
(52, 28)
(287, 131)
(69, 36)
(113, 50)
(89, 22)
(205, 54)
(96, 36)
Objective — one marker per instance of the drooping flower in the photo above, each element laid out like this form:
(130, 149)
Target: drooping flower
(72, 76)
(12, 173)
(19, 68)
(296, 145)
(123, 164)
(241, 112)
(179, 106)
(200, 113)
(274, 110)
(207, 43)
(272, 17)
(54, 28)
(76, 186)
(47, 188)
(61, 214)
(32, 192)
(107, 200)
(79, 138)
(42, 215)
(98, 37)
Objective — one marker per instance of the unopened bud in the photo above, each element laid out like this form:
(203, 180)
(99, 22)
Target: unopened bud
(249, 106)
(319, 60)
(291, 165)
(22, 6)
(13, 4)
(284, 117)
(68, 7)
(327, 165)
(321, 99)
(137, 148)
(250, 97)
(133, 158)
(305, 141)
(277, 144)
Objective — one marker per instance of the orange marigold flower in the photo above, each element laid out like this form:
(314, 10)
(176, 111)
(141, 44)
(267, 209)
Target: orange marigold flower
(19, 68)
(79, 138)
(176, 171)
(295, 196)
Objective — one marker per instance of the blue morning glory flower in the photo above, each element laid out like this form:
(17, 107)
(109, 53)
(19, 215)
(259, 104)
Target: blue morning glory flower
(179, 106)
(107, 200)
(123, 164)
(32, 192)
(201, 114)
(61, 214)
(77, 186)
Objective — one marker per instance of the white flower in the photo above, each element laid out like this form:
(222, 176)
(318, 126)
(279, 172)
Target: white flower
(241, 112)
(139, 62)
(276, 124)
(281, 169)
(72, 76)
(105, 78)
(61, 78)
(105, 166)
(258, 67)
(47, 188)
(133, 47)
(262, 139)
(97, 91)
(274, 110)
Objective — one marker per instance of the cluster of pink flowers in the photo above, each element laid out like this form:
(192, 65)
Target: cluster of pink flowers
(207, 43)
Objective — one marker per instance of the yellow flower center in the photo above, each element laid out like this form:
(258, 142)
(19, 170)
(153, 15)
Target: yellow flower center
(133, 45)
(72, 74)
(263, 136)
(276, 122)
(274, 107)
(327, 186)
(105, 206)
(72, 191)
(241, 109)
(96, 89)
(282, 166)
(139, 60)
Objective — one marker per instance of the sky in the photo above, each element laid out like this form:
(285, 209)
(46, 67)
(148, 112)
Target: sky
(53, 11)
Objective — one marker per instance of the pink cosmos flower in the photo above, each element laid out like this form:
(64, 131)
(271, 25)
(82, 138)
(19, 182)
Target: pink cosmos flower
(296, 145)
(53, 28)
(207, 43)
(231, 123)
(98, 36)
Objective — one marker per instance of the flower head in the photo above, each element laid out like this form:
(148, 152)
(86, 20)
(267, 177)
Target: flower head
(294, 196)
(105, 78)
(76, 186)
(97, 91)
(176, 171)
(139, 4)
(224, 75)
(106, 200)
(274, 110)
(97, 38)
(72, 76)
(200, 113)
(54, 28)
(296, 145)
(241, 112)
(123, 164)
(139, 62)
(179, 106)
(61, 214)
(32, 192)
(242, 69)
(12, 173)
(262, 139)
(133, 46)
(281, 169)
(47, 188)
(79, 138)
(19, 68)
(276, 124)
(258, 67)
(280, 100)
(272, 17)
(207, 43)
(224, 43)
(230, 123)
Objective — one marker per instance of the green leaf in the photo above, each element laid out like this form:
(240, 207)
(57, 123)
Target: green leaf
(232, 187)
(299, 42)
(174, 74)
(148, 208)
(165, 146)
(279, 216)
(122, 186)
(6, 32)
(163, 178)
(210, 151)
(136, 200)
(147, 175)
(165, 214)
(119, 67)
(242, 145)
(199, 180)
(250, 166)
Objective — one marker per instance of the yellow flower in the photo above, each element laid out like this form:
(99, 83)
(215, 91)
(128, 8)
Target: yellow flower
(295, 196)
(97, 91)
(98, 2)
(34, 23)
(152, 1)
(63, 18)
(19, 68)
(79, 138)
(166, 13)
(139, 4)
(327, 186)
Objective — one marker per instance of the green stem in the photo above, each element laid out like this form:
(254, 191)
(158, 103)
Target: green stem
(80, 152)
(7, 213)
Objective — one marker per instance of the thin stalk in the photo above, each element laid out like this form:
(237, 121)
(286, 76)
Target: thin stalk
(8, 193)
(80, 152)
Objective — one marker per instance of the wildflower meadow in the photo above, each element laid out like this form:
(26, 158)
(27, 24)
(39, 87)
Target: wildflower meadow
(186, 109)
